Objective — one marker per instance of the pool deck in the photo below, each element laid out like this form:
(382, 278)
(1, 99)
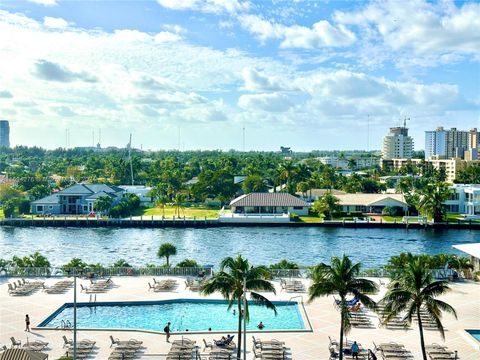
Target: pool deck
(311, 345)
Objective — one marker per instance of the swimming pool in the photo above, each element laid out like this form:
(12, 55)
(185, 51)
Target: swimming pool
(194, 315)
(475, 334)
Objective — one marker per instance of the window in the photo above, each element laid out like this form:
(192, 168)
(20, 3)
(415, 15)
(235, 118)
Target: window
(298, 208)
(39, 208)
(50, 207)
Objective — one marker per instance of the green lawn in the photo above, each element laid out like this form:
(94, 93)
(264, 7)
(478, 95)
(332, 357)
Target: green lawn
(189, 212)
(1, 214)
(311, 219)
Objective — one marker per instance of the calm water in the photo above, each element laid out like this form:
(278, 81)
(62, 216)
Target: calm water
(262, 245)
(192, 315)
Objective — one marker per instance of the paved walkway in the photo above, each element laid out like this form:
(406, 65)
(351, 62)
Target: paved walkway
(304, 345)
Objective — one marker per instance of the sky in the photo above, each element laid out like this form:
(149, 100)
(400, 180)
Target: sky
(198, 74)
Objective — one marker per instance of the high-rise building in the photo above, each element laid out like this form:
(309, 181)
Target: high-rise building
(397, 144)
(447, 144)
(4, 133)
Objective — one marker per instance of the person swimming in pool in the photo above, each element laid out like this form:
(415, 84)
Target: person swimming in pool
(260, 326)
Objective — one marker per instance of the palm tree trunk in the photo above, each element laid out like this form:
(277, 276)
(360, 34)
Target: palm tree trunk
(340, 344)
(239, 334)
(420, 329)
(168, 264)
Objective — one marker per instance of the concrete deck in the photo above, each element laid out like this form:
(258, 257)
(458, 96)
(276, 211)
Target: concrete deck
(304, 345)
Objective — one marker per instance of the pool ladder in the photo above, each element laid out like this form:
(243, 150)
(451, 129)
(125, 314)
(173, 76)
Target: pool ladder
(296, 297)
(66, 325)
(93, 298)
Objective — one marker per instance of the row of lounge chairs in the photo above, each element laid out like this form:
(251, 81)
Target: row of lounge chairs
(184, 349)
(395, 323)
(35, 345)
(439, 352)
(23, 287)
(163, 285)
(193, 284)
(125, 349)
(84, 348)
(270, 350)
(393, 351)
(292, 285)
(98, 286)
(59, 287)
(428, 322)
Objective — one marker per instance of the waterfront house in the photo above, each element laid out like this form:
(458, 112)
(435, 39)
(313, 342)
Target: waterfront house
(269, 204)
(464, 199)
(372, 203)
(76, 199)
(313, 194)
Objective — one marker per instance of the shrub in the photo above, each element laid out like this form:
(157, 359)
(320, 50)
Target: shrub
(121, 263)
(187, 263)
(294, 217)
(24, 206)
(284, 264)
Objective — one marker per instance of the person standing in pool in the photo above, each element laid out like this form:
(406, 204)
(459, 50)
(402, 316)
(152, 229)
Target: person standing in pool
(27, 323)
(166, 330)
(260, 326)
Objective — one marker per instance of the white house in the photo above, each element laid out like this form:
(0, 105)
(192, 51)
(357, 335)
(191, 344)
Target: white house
(140, 190)
(371, 203)
(465, 199)
(313, 194)
(269, 204)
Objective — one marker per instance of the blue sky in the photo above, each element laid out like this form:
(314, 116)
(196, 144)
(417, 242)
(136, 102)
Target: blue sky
(305, 74)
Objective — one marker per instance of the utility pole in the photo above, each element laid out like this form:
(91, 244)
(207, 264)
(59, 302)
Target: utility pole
(74, 315)
(243, 138)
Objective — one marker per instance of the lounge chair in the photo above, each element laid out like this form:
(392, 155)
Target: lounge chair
(131, 342)
(207, 345)
(15, 343)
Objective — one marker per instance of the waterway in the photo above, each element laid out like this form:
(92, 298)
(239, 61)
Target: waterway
(261, 245)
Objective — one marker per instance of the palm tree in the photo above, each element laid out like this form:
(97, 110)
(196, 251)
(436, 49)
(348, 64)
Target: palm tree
(341, 278)
(432, 198)
(415, 290)
(166, 250)
(178, 203)
(236, 275)
(460, 264)
(162, 201)
(287, 169)
(327, 205)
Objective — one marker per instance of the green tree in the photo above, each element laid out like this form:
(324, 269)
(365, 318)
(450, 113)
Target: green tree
(166, 250)
(415, 290)
(178, 202)
(234, 277)
(341, 278)
(75, 263)
(431, 200)
(284, 264)
(121, 263)
(469, 175)
(253, 183)
(103, 204)
(287, 171)
(8, 207)
(187, 263)
(33, 260)
(460, 264)
(326, 205)
(39, 191)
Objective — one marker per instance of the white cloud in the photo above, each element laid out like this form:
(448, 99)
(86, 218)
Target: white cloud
(44, 2)
(167, 36)
(423, 27)
(269, 102)
(50, 71)
(257, 81)
(207, 6)
(55, 23)
(63, 111)
(321, 34)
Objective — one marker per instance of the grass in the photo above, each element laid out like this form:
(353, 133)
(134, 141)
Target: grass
(189, 212)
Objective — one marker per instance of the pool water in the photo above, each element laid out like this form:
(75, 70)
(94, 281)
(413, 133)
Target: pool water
(475, 334)
(194, 315)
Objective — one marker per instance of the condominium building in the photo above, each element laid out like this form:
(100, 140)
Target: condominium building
(446, 144)
(349, 162)
(451, 166)
(473, 145)
(397, 144)
(4, 134)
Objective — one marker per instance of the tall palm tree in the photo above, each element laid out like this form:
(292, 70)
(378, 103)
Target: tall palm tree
(287, 170)
(415, 290)
(460, 264)
(234, 274)
(166, 250)
(178, 203)
(341, 278)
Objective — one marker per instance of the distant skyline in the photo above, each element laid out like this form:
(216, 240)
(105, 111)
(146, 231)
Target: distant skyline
(304, 74)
